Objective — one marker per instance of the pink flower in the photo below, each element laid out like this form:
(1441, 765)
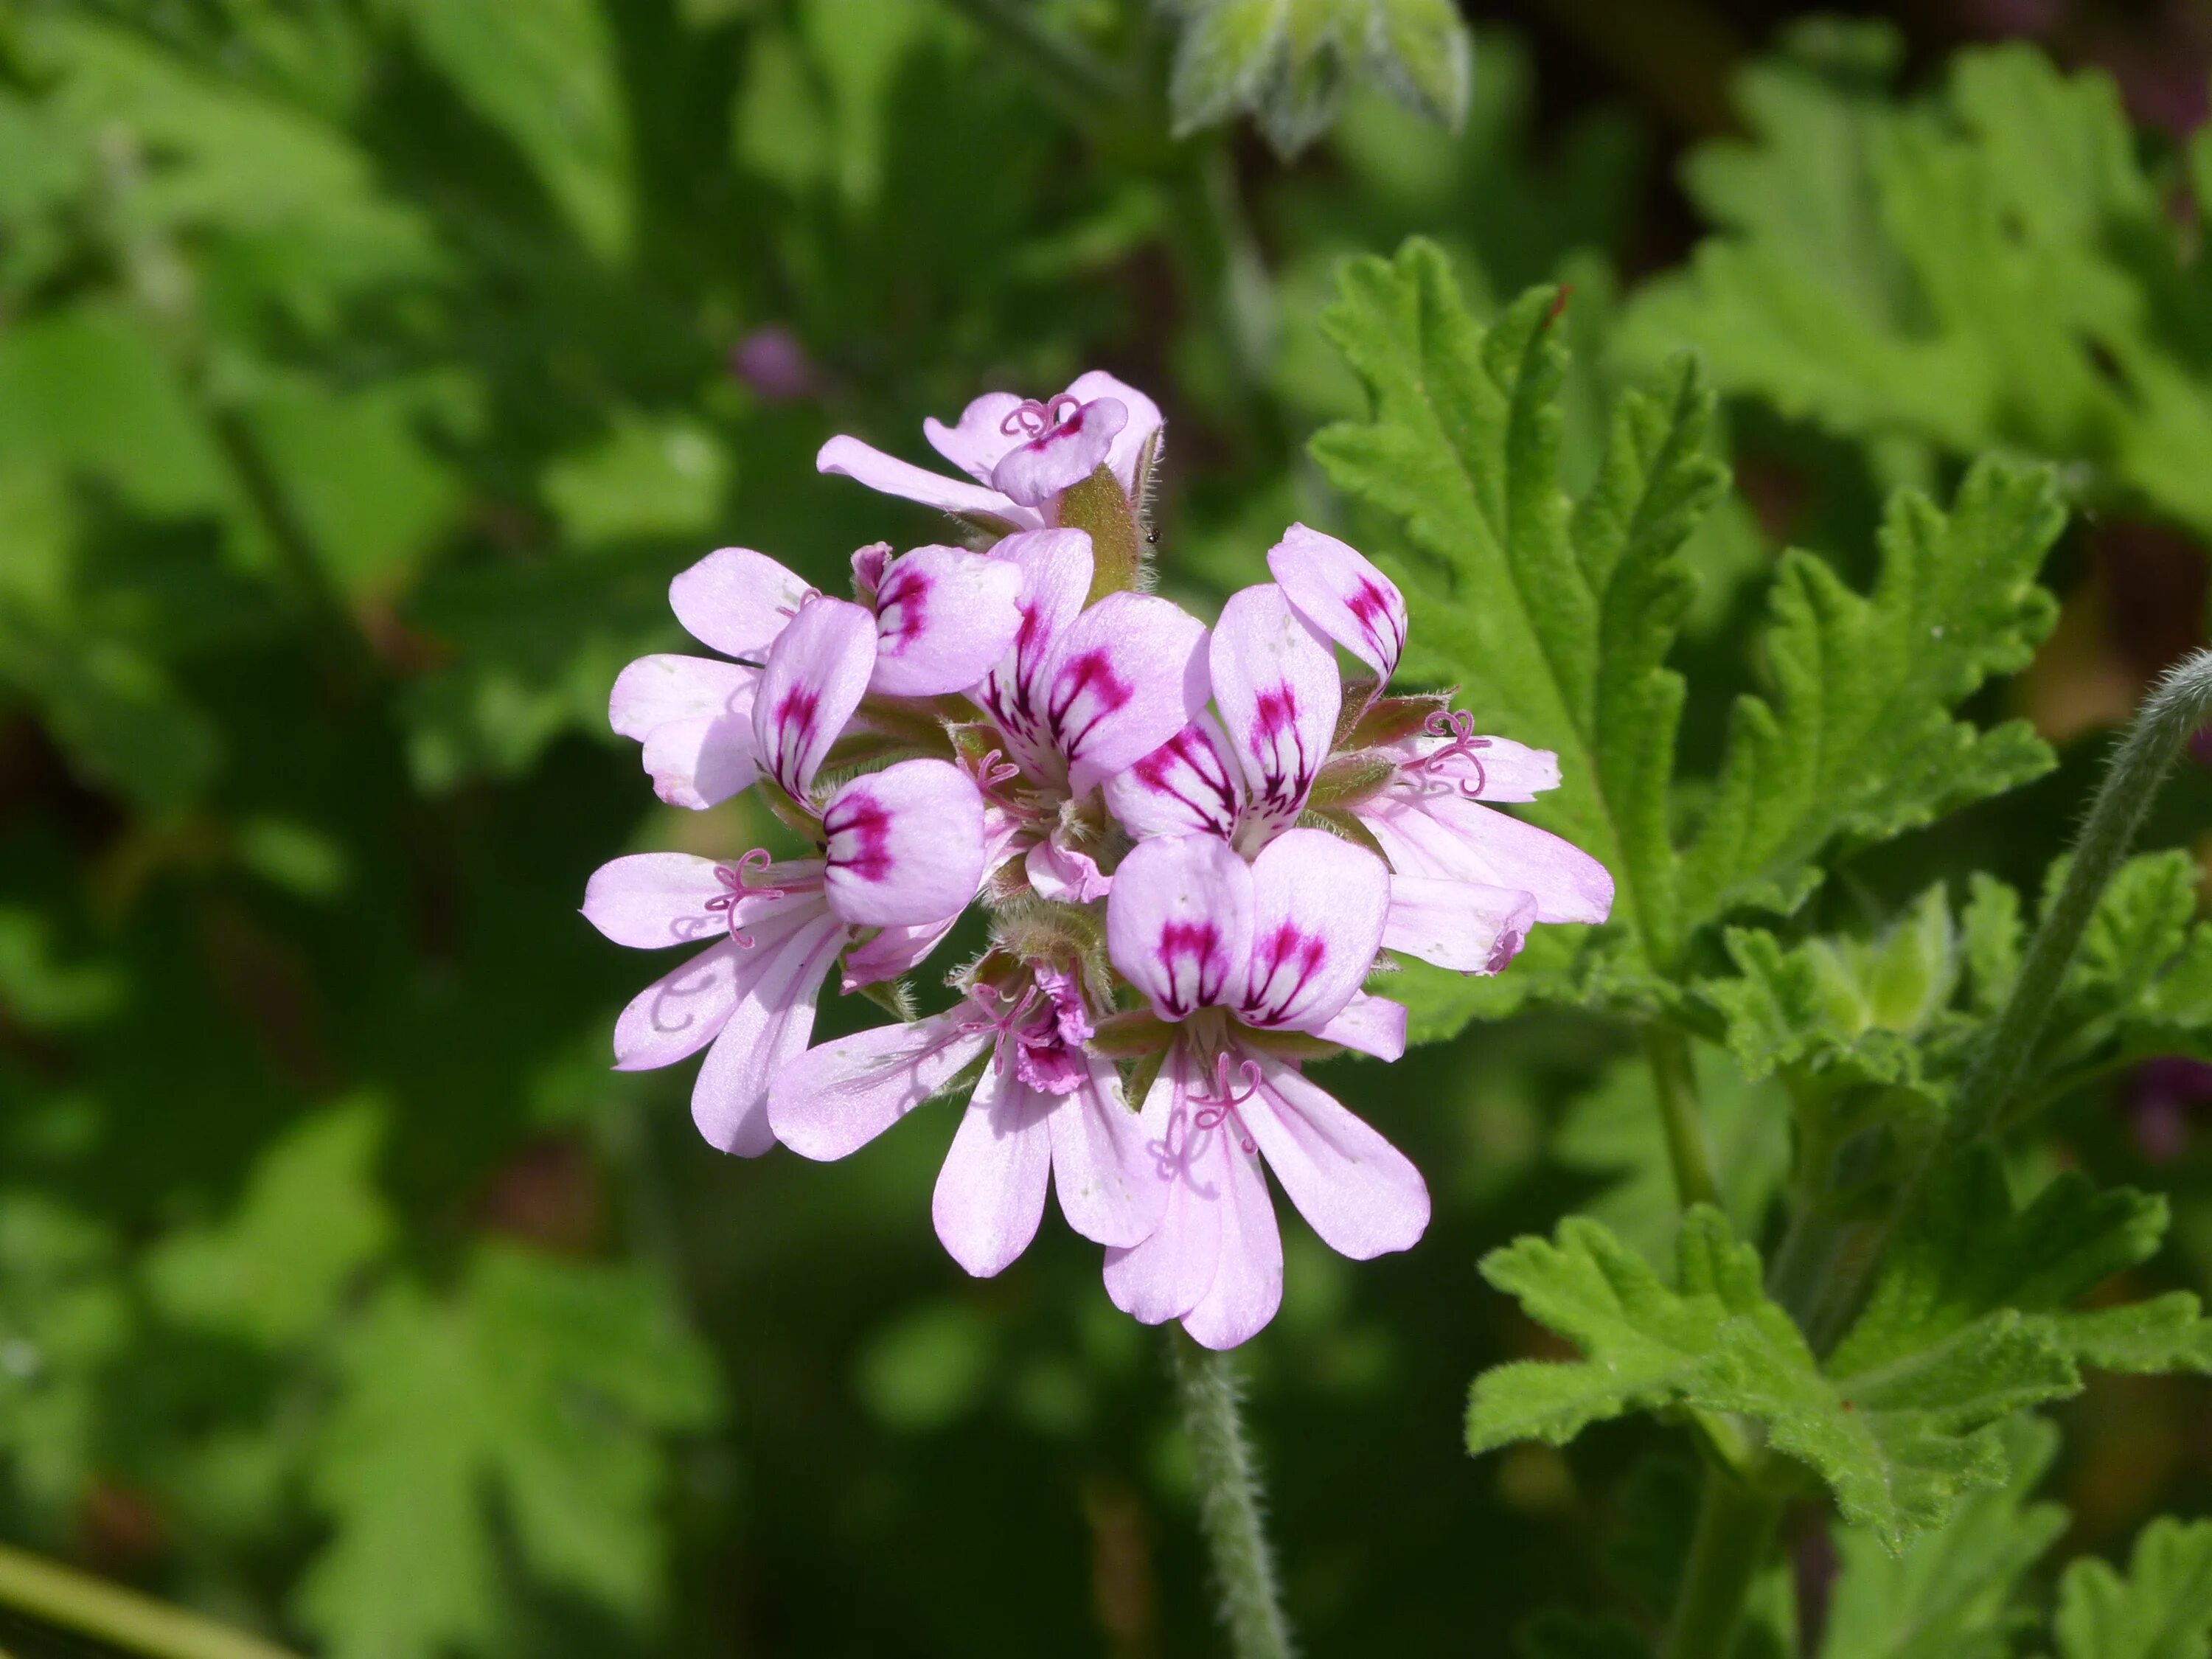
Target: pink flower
(943, 616)
(1043, 1109)
(902, 848)
(1241, 957)
(1022, 454)
(1083, 693)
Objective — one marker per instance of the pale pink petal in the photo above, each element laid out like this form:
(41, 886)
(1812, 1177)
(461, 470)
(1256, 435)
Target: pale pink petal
(1188, 786)
(975, 444)
(1461, 924)
(905, 845)
(1143, 428)
(817, 672)
(699, 763)
(1247, 1271)
(1179, 922)
(1340, 592)
(1129, 673)
(1056, 569)
(649, 899)
(1276, 684)
(1035, 469)
(767, 1030)
(1066, 875)
(681, 1012)
(1445, 835)
(869, 564)
(1106, 1175)
(1358, 1192)
(1373, 1025)
(652, 691)
(736, 601)
(1165, 1276)
(945, 618)
(879, 471)
(1318, 909)
(834, 1099)
(1492, 768)
(895, 950)
(990, 1192)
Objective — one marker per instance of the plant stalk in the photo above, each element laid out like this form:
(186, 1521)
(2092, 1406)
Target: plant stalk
(1058, 56)
(1689, 1153)
(1734, 1524)
(73, 1600)
(1229, 1501)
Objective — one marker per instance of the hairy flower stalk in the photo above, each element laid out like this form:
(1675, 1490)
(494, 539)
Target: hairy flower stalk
(1188, 849)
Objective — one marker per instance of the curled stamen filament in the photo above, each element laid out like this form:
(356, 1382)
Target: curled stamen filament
(1034, 419)
(1221, 1106)
(735, 880)
(1013, 1003)
(993, 770)
(1458, 724)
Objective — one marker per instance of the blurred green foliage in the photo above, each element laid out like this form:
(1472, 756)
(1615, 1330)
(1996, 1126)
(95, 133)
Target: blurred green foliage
(366, 367)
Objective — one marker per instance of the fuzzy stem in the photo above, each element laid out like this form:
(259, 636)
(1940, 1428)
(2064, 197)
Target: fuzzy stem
(2178, 705)
(1734, 1525)
(58, 1596)
(1688, 1153)
(1229, 1501)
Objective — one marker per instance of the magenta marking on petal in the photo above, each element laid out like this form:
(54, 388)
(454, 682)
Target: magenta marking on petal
(901, 609)
(1198, 944)
(1290, 950)
(1458, 725)
(795, 721)
(860, 831)
(1195, 753)
(1092, 674)
(1370, 604)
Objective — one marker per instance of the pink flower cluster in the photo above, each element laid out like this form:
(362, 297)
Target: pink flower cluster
(1190, 848)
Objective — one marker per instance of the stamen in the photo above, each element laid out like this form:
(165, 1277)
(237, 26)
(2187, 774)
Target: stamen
(1221, 1106)
(1034, 420)
(993, 770)
(735, 878)
(1458, 724)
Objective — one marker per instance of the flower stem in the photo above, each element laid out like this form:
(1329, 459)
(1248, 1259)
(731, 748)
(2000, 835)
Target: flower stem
(2180, 703)
(59, 1595)
(1688, 1152)
(1229, 1501)
(1734, 1525)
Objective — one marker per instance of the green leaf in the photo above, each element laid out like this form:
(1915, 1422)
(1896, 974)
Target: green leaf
(65, 1318)
(543, 1385)
(1556, 622)
(1955, 1594)
(1988, 268)
(543, 72)
(1898, 1447)
(648, 478)
(310, 1220)
(2162, 1610)
(1968, 1252)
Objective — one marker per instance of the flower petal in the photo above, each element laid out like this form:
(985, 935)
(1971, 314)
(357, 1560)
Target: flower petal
(680, 1012)
(1248, 1269)
(944, 616)
(1034, 470)
(1141, 432)
(654, 692)
(1188, 786)
(818, 670)
(1358, 1192)
(1318, 909)
(975, 444)
(1461, 924)
(1056, 569)
(859, 462)
(1500, 769)
(1179, 922)
(1129, 673)
(767, 1030)
(895, 950)
(649, 899)
(1165, 1276)
(1066, 874)
(1446, 835)
(1276, 684)
(1338, 590)
(836, 1099)
(738, 601)
(990, 1192)
(1107, 1177)
(905, 845)
(1372, 1025)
